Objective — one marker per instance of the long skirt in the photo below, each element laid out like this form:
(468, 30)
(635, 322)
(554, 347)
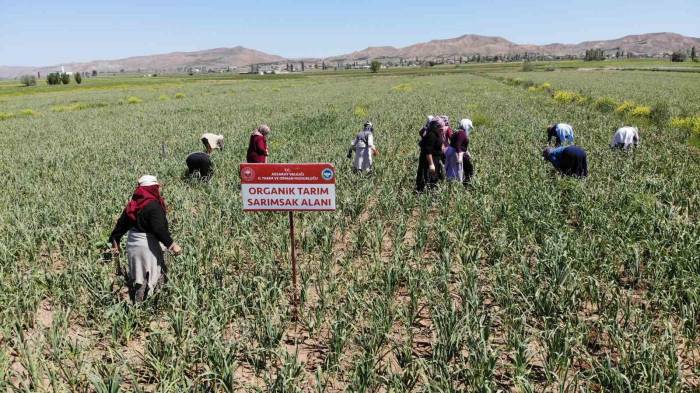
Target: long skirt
(455, 171)
(363, 159)
(146, 264)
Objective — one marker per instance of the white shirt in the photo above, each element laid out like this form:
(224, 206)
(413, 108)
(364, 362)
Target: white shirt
(214, 141)
(625, 137)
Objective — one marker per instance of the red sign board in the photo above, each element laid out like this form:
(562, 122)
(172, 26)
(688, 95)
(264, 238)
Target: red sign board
(288, 187)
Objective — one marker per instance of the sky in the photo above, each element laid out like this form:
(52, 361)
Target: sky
(41, 33)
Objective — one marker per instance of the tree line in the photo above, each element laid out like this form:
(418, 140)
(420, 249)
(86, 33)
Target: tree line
(56, 78)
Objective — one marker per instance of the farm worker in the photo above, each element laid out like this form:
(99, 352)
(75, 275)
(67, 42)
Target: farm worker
(424, 129)
(458, 160)
(257, 147)
(625, 138)
(562, 133)
(364, 148)
(144, 217)
(431, 157)
(212, 141)
(569, 160)
(200, 163)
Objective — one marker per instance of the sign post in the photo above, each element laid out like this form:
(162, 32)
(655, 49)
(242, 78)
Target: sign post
(290, 188)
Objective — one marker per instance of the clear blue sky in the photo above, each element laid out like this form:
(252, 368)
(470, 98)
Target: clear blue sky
(41, 32)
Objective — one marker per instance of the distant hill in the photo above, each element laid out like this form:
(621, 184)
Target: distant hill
(218, 58)
(653, 44)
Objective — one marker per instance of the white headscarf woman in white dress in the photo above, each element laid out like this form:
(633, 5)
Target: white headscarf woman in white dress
(364, 149)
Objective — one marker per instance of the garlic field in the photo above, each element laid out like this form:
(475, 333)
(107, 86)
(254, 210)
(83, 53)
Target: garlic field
(524, 282)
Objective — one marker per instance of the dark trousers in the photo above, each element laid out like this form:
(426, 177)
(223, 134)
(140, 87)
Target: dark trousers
(468, 167)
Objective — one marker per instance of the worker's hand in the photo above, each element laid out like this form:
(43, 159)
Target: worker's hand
(431, 168)
(175, 249)
(375, 152)
(116, 249)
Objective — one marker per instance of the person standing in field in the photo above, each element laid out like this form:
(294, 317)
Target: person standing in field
(625, 138)
(144, 218)
(257, 146)
(459, 165)
(364, 148)
(562, 133)
(431, 157)
(569, 160)
(212, 141)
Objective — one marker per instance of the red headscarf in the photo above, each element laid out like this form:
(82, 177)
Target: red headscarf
(143, 195)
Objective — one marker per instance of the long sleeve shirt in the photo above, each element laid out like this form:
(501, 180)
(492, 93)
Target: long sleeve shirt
(569, 160)
(460, 141)
(563, 133)
(625, 137)
(257, 149)
(431, 143)
(363, 140)
(151, 219)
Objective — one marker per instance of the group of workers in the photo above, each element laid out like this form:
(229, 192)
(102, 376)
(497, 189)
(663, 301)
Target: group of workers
(145, 217)
(443, 155)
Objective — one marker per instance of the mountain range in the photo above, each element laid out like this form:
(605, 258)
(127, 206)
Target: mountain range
(652, 44)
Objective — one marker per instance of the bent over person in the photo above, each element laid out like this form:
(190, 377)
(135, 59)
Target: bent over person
(144, 218)
(257, 146)
(562, 133)
(199, 163)
(212, 141)
(364, 149)
(569, 160)
(625, 137)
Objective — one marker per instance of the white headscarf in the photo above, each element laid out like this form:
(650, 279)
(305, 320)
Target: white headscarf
(466, 125)
(148, 180)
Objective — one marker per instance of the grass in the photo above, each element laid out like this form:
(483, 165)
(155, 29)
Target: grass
(524, 282)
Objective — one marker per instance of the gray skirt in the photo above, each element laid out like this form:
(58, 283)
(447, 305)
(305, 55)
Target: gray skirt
(146, 259)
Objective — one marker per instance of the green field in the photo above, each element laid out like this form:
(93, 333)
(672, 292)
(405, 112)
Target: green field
(524, 282)
(644, 87)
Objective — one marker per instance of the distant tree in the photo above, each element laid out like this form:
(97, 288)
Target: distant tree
(28, 80)
(78, 78)
(678, 57)
(375, 66)
(303, 66)
(94, 72)
(594, 54)
(53, 78)
(65, 78)
(693, 56)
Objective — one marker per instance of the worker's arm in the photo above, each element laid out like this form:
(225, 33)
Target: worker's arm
(120, 228)
(431, 164)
